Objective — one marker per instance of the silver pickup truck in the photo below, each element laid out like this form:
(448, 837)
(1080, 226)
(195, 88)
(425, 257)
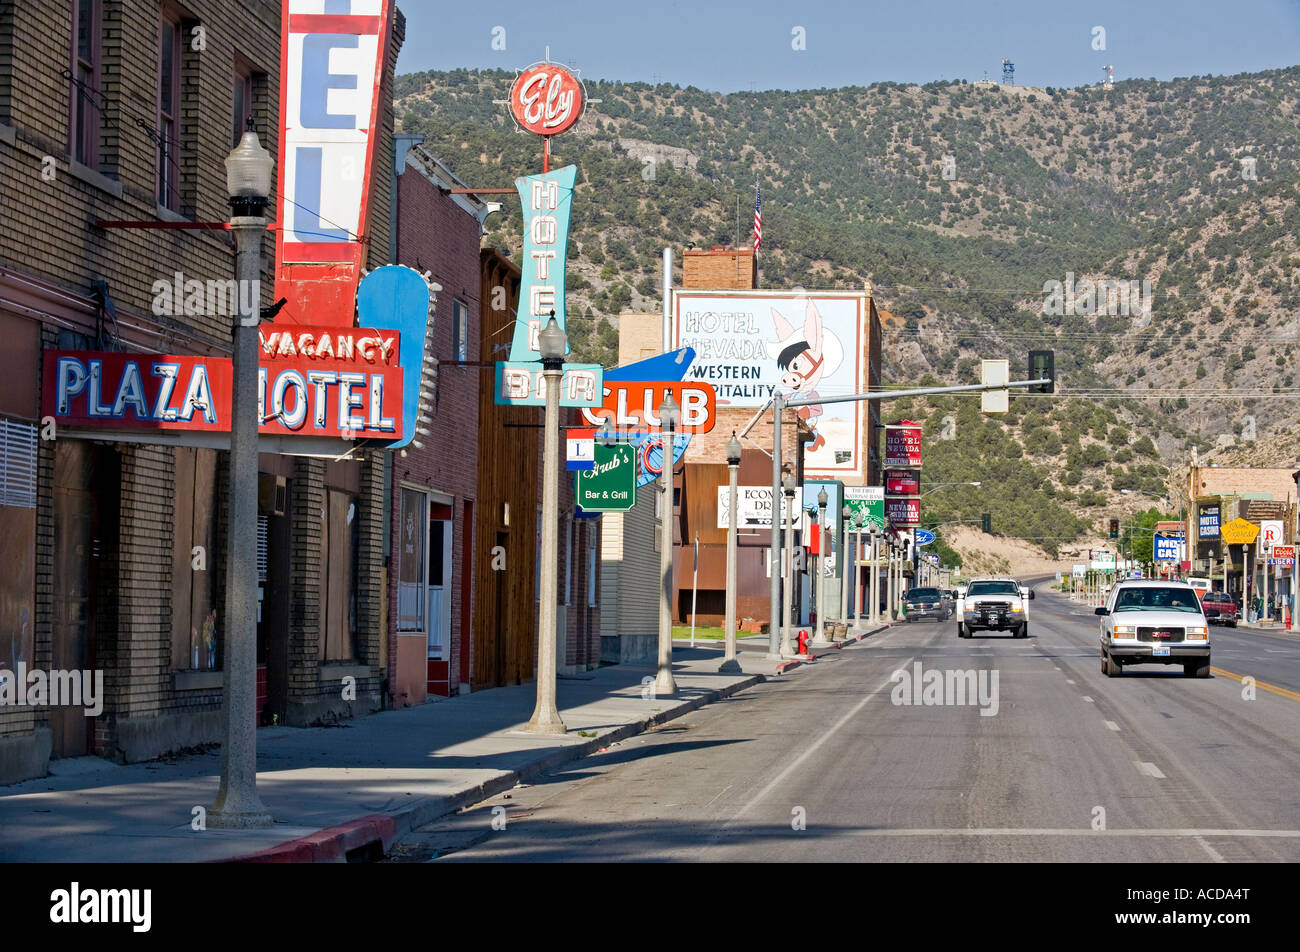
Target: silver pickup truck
(993, 604)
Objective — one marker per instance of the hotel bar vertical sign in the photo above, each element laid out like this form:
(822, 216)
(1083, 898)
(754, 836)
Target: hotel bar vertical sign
(332, 56)
(547, 200)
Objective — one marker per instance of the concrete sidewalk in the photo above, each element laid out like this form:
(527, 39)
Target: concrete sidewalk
(354, 787)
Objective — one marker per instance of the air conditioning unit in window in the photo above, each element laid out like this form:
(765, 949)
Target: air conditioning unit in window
(272, 495)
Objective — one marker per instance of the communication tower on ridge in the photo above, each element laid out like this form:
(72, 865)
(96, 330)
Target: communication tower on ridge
(1008, 72)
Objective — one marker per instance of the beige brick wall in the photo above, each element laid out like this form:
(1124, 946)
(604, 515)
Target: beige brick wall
(710, 269)
(52, 240)
(1216, 481)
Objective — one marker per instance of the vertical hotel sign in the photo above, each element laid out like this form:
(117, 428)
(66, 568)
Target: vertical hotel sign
(332, 56)
(547, 200)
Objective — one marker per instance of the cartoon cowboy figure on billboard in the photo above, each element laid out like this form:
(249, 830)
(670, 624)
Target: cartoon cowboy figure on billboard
(804, 356)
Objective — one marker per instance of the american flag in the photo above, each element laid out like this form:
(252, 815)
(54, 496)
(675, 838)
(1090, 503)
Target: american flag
(758, 217)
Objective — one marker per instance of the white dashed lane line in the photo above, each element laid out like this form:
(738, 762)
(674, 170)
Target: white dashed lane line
(1149, 769)
(1112, 725)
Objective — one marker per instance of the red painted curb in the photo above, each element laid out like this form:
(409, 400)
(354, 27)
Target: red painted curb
(328, 846)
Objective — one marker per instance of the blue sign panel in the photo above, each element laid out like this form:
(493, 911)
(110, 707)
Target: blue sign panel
(397, 297)
(924, 536)
(1208, 523)
(1167, 549)
(547, 200)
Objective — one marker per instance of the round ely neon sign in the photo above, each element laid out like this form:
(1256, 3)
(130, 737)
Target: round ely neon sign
(546, 99)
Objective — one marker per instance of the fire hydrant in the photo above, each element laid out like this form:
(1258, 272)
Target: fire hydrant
(803, 641)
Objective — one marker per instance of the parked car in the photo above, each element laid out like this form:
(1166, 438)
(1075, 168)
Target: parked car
(1150, 622)
(1219, 608)
(925, 603)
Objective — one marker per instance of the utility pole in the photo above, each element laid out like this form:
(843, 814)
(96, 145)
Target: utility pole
(665, 686)
(787, 629)
(249, 170)
(546, 716)
(729, 663)
(774, 588)
(822, 539)
(846, 515)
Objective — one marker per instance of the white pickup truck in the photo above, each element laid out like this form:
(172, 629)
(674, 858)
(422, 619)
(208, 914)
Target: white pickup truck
(993, 604)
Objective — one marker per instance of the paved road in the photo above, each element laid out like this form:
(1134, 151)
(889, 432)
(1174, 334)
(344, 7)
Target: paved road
(1184, 769)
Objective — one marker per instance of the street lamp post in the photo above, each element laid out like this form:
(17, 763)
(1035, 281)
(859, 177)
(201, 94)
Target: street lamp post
(665, 686)
(787, 630)
(857, 570)
(888, 544)
(846, 514)
(729, 663)
(249, 181)
(820, 638)
(546, 716)
(873, 582)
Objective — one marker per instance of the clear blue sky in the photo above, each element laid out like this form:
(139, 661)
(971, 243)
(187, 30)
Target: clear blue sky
(727, 46)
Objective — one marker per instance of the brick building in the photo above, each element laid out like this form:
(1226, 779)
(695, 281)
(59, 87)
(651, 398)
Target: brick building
(1237, 493)
(113, 555)
(434, 487)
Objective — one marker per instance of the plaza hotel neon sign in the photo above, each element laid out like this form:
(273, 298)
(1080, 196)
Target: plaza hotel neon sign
(330, 382)
(320, 374)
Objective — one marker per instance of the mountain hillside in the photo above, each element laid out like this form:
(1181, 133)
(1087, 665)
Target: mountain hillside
(959, 204)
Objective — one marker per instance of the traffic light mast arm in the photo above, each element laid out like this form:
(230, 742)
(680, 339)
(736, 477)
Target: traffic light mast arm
(924, 391)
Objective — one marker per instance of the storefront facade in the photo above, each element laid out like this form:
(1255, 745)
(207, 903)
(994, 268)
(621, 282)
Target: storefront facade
(113, 542)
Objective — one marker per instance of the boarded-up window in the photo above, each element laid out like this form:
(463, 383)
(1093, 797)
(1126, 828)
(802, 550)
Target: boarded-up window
(195, 641)
(18, 530)
(338, 572)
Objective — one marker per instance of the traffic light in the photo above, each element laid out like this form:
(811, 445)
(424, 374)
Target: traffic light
(1042, 363)
(1114, 528)
(986, 522)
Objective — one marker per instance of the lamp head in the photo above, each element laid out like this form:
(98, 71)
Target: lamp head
(669, 414)
(821, 499)
(551, 342)
(733, 450)
(249, 176)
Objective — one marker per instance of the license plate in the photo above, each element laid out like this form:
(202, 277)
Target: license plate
(1160, 651)
(995, 618)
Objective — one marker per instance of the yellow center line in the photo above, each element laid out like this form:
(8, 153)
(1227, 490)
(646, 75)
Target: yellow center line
(1262, 685)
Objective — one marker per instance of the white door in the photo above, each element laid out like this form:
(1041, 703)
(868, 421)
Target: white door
(439, 580)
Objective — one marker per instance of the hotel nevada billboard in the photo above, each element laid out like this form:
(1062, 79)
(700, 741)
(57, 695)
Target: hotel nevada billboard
(752, 344)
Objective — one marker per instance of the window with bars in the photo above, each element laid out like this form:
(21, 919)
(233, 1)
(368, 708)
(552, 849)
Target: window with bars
(17, 464)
